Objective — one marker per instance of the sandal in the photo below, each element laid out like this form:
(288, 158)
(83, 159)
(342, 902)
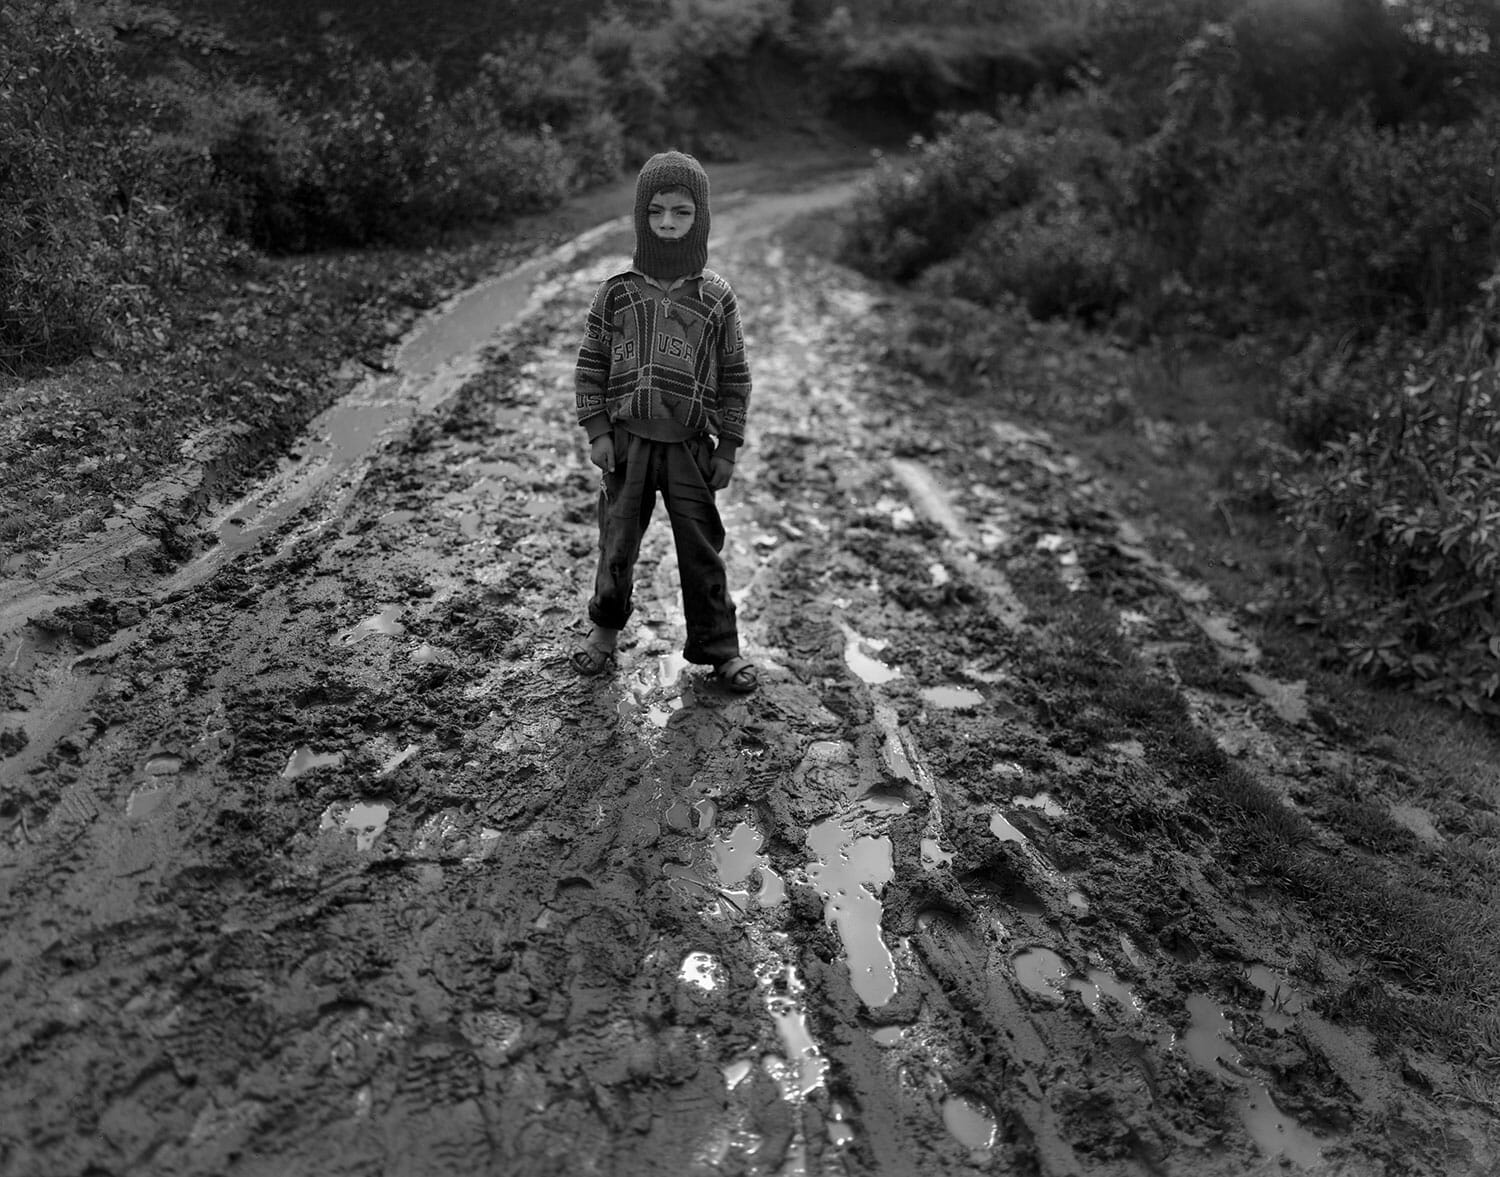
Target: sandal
(593, 656)
(738, 675)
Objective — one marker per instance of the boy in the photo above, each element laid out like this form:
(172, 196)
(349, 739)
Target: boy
(661, 389)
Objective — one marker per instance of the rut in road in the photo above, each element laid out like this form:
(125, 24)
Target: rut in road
(356, 876)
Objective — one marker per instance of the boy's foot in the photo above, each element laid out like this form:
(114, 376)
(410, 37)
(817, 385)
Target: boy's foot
(738, 675)
(596, 653)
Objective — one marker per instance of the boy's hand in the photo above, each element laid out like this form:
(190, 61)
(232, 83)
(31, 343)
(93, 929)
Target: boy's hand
(720, 472)
(602, 452)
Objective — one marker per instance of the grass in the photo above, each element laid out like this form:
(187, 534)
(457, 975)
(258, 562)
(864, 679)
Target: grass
(1427, 949)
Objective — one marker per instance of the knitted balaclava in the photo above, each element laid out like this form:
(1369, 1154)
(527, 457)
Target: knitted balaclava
(689, 254)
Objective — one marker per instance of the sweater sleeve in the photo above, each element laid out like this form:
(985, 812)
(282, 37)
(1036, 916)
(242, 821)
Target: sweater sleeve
(734, 375)
(591, 377)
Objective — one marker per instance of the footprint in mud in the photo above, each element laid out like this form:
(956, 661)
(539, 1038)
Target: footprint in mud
(304, 760)
(849, 875)
(1208, 1042)
(1044, 973)
(366, 820)
(385, 622)
(970, 1122)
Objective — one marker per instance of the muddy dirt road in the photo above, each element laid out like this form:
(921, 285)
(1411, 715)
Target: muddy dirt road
(320, 860)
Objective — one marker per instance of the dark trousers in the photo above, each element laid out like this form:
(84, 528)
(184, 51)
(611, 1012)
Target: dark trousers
(678, 471)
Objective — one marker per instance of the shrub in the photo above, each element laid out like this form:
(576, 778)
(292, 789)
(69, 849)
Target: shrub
(1402, 521)
(663, 65)
(382, 158)
(86, 227)
(256, 153)
(536, 82)
(1055, 255)
(1334, 218)
(1354, 225)
(911, 216)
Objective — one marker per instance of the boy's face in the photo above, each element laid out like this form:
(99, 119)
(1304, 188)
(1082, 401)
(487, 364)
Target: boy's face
(670, 215)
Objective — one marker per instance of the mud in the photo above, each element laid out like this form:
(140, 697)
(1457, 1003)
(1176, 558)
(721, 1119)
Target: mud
(320, 860)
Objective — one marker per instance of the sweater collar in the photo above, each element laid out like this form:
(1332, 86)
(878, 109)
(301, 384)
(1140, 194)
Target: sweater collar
(666, 287)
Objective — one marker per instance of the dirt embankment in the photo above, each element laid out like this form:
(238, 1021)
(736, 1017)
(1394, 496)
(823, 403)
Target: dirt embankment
(342, 870)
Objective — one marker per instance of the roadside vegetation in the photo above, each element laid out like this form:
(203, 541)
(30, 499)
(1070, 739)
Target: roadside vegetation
(1311, 184)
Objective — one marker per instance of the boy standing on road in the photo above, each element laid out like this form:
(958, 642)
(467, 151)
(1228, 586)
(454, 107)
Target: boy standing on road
(661, 389)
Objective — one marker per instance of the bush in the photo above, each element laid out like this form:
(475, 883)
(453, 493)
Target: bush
(665, 65)
(87, 224)
(1335, 218)
(1356, 226)
(1401, 520)
(913, 215)
(1054, 255)
(381, 158)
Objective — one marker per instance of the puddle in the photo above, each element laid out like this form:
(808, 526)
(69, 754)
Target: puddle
(952, 698)
(395, 761)
(164, 766)
(1281, 1004)
(364, 819)
(737, 859)
(1045, 973)
(1207, 1043)
(1078, 901)
(304, 760)
(1043, 803)
(144, 802)
(1041, 971)
(737, 856)
(868, 668)
(881, 802)
(772, 888)
(970, 1123)
(1003, 830)
(425, 654)
(888, 1036)
(660, 714)
(849, 875)
(803, 1070)
(840, 1132)
(669, 668)
(703, 970)
(1097, 983)
(383, 622)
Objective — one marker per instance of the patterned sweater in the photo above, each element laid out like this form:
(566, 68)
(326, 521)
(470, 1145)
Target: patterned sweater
(669, 359)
